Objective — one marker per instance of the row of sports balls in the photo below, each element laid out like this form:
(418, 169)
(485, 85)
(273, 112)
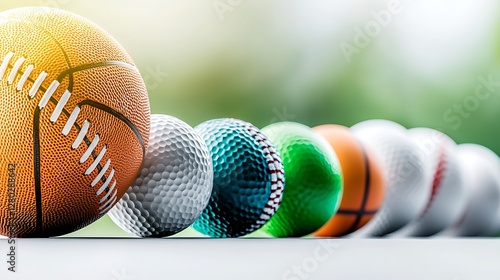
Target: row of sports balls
(228, 179)
(75, 126)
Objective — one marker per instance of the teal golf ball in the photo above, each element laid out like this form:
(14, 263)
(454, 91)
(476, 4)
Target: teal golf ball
(248, 179)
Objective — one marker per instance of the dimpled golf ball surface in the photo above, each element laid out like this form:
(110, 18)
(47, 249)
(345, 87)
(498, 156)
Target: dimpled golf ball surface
(448, 196)
(313, 182)
(480, 167)
(408, 181)
(173, 186)
(248, 179)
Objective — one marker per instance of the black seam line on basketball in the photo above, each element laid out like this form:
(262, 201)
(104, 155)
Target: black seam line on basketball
(71, 71)
(36, 173)
(85, 139)
(85, 67)
(81, 68)
(37, 167)
(366, 193)
(36, 147)
(102, 106)
(76, 125)
(66, 57)
(117, 115)
(36, 132)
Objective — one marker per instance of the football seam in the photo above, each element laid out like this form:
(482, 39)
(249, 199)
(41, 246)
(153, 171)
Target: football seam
(110, 193)
(366, 187)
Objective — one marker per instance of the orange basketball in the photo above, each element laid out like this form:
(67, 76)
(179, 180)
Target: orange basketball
(74, 122)
(364, 184)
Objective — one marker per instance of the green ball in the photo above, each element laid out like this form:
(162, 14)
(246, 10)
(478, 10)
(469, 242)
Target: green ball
(313, 180)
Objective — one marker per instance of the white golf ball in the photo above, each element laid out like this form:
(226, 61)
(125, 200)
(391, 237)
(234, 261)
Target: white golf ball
(376, 124)
(448, 197)
(173, 186)
(481, 169)
(407, 180)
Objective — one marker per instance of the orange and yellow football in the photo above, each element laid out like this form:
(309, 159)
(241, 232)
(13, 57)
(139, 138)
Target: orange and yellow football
(74, 122)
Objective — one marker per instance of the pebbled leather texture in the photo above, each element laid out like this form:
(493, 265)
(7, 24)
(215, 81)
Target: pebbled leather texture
(107, 87)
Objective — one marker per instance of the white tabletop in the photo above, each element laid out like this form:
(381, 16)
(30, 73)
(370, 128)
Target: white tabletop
(239, 259)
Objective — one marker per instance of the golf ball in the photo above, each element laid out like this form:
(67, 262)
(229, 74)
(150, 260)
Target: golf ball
(407, 180)
(480, 167)
(313, 180)
(248, 179)
(174, 183)
(448, 198)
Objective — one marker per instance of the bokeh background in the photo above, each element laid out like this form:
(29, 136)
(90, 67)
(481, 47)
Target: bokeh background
(425, 63)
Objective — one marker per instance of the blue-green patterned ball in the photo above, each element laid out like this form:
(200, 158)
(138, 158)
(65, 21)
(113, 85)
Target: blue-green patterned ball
(248, 179)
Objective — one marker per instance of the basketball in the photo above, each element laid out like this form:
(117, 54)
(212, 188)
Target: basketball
(74, 122)
(364, 184)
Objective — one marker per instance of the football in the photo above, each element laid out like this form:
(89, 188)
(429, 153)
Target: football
(74, 122)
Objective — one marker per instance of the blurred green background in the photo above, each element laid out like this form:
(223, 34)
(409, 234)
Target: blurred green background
(423, 63)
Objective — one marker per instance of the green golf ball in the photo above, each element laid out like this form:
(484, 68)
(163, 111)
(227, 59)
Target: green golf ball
(313, 180)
